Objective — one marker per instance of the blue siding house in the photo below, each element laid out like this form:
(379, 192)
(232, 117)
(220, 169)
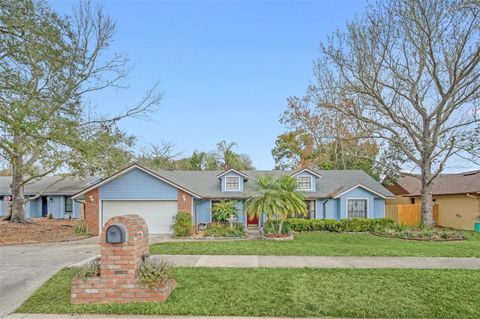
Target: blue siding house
(51, 195)
(158, 195)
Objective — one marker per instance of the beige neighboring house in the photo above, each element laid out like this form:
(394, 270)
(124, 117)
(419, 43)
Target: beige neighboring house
(457, 196)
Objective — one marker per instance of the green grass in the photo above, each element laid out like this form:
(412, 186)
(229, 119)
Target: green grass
(326, 244)
(366, 293)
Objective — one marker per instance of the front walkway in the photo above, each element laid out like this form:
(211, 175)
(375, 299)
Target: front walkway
(321, 262)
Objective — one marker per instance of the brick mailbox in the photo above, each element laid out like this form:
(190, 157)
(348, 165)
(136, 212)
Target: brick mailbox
(120, 258)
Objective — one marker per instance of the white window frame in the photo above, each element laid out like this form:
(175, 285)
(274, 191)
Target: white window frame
(305, 189)
(231, 189)
(360, 198)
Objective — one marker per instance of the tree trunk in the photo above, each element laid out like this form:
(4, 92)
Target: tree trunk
(280, 226)
(18, 198)
(426, 196)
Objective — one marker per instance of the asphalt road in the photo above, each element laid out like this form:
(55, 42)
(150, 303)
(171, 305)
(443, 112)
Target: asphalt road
(24, 268)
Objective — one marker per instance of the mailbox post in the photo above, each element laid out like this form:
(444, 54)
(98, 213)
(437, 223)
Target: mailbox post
(123, 246)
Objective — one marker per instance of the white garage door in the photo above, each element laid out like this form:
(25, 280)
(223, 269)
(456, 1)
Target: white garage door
(158, 214)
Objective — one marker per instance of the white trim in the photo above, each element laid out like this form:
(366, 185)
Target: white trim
(100, 222)
(231, 190)
(309, 171)
(362, 186)
(128, 169)
(232, 170)
(306, 189)
(356, 198)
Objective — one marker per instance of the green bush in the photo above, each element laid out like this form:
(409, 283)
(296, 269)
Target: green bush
(183, 225)
(50, 216)
(272, 226)
(92, 269)
(153, 274)
(224, 209)
(224, 230)
(343, 225)
(80, 228)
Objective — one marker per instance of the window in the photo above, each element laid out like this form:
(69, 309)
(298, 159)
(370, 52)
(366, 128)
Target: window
(68, 205)
(357, 208)
(311, 208)
(232, 183)
(304, 183)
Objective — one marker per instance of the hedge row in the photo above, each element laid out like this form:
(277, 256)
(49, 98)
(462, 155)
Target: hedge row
(343, 225)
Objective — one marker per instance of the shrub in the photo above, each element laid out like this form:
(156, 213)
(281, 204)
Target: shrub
(224, 230)
(91, 269)
(153, 274)
(50, 216)
(80, 228)
(223, 209)
(272, 226)
(343, 225)
(182, 226)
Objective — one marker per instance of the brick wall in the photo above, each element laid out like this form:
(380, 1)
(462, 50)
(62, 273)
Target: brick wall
(119, 264)
(92, 211)
(184, 201)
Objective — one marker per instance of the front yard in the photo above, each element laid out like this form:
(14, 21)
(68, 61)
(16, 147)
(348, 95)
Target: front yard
(365, 293)
(38, 230)
(327, 244)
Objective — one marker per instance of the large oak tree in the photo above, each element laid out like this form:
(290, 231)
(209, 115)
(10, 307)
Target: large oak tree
(49, 65)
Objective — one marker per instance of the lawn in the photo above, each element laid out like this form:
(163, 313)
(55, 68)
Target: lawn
(366, 293)
(326, 244)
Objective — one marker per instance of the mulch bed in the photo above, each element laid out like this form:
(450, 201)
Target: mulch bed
(38, 230)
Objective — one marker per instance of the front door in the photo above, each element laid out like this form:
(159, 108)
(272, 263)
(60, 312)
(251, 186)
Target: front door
(252, 220)
(44, 206)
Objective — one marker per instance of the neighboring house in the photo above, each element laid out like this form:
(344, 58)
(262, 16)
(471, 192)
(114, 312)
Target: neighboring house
(457, 197)
(158, 195)
(50, 195)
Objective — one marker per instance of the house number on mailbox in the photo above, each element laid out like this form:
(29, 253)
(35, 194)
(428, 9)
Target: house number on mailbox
(116, 234)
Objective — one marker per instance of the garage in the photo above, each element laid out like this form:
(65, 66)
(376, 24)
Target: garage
(158, 214)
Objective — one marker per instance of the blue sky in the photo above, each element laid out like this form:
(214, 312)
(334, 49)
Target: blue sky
(226, 68)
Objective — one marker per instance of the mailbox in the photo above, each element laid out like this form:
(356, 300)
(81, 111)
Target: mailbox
(116, 234)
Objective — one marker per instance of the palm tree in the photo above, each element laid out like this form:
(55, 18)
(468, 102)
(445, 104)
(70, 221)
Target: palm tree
(226, 154)
(276, 198)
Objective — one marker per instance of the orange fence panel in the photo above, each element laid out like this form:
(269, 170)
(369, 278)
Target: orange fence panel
(408, 214)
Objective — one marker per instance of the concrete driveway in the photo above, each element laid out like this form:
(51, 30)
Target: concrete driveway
(24, 268)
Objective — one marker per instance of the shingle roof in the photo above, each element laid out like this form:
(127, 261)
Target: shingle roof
(458, 183)
(50, 185)
(331, 182)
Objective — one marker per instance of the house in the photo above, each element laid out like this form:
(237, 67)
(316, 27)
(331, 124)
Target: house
(158, 195)
(49, 195)
(457, 196)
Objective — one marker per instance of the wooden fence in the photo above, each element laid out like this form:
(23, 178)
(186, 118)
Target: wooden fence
(408, 214)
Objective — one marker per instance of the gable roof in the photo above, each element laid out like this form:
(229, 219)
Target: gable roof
(445, 184)
(203, 184)
(311, 171)
(232, 170)
(207, 185)
(128, 169)
(49, 185)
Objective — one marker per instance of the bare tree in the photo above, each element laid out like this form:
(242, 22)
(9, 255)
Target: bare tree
(49, 64)
(409, 72)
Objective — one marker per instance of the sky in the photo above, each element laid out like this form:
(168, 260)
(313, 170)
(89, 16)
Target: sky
(226, 69)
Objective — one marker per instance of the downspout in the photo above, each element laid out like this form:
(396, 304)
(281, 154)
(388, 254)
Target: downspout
(324, 204)
(82, 202)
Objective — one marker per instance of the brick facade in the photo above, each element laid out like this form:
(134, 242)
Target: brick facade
(92, 211)
(184, 201)
(119, 264)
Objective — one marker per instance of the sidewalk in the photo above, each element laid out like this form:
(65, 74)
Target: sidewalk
(321, 262)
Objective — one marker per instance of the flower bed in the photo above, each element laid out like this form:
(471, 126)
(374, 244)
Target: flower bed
(224, 230)
(420, 233)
